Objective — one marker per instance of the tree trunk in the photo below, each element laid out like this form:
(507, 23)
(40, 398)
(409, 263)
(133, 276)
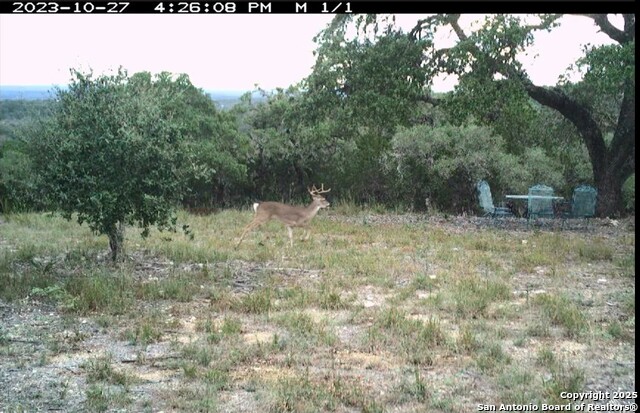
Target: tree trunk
(609, 196)
(611, 165)
(116, 241)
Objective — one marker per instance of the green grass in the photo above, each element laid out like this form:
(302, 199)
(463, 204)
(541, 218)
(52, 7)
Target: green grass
(416, 341)
(563, 312)
(361, 317)
(201, 355)
(518, 386)
(563, 377)
(474, 295)
(257, 302)
(415, 387)
(146, 331)
(300, 394)
(100, 369)
(627, 265)
(491, 356)
(306, 332)
(101, 290)
(596, 250)
(108, 387)
(175, 286)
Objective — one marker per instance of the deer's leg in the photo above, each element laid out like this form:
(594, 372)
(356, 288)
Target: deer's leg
(307, 234)
(253, 224)
(290, 230)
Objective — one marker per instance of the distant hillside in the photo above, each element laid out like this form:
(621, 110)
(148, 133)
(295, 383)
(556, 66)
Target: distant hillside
(227, 99)
(224, 99)
(35, 92)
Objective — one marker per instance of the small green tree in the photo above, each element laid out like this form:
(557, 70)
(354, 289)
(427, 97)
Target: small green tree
(111, 154)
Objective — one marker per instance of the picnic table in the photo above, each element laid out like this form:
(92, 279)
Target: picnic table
(527, 197)
(531, 197)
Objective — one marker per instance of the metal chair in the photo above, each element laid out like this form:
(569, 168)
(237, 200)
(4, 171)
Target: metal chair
(540, 208)
(537, 207)
(583, 203)
(486, 202)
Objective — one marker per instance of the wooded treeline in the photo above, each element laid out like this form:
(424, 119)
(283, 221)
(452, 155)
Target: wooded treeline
(128, 148)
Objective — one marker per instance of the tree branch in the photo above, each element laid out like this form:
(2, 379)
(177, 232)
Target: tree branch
(545, 24)
(430, 99)
(574, 112)
(630, 24)
(620, 36)
(453, 21)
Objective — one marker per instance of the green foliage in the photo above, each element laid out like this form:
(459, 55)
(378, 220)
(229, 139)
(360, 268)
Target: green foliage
(606, 68)
(495, 89)
(502, 105)
(539, 167)
(364, 88)
(120, 150)
(126, 149)
(16, 113)
(285, 154)
(18, 180)
(447, 161)
(15, 285)
(376, 82)
(111, 153)
(559, 143)
(213, 164)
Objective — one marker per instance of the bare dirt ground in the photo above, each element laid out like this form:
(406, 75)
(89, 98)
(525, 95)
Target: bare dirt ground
(44, 352)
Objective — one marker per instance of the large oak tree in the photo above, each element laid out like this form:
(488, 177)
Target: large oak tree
(495, 88)
(486, 61)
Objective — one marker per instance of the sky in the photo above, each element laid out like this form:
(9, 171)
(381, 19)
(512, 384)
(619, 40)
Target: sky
(218, 52)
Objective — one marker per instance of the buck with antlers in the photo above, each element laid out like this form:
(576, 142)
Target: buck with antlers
(290, 216)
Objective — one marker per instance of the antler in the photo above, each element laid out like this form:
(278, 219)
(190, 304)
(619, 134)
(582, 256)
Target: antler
(315, 191)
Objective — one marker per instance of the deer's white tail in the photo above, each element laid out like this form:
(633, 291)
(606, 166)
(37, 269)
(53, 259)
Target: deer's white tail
(255, 207)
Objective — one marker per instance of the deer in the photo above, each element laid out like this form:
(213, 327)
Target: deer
(290, 216)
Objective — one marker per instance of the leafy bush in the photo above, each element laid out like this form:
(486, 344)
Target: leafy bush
(444, 163)
(18, 181)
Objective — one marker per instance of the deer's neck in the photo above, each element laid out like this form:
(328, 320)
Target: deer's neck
(313, 208)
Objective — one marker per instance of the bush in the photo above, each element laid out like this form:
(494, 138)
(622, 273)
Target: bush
(444, 163)
(19, 189)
